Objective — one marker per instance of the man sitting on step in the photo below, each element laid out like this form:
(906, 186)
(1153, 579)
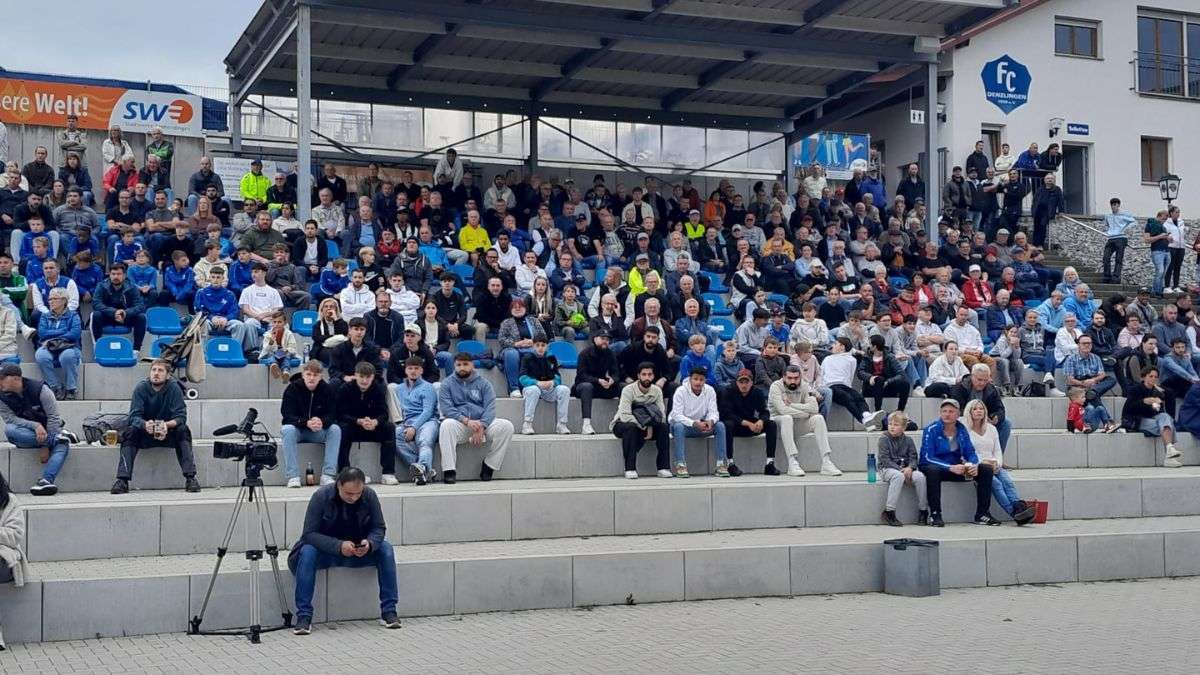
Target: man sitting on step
(308, 416)
(343, 527)
(948, 455)
(794, 408)
(468, 406)
(157, 418)
(540, 381)
(362, 415)
(31, 420)
(743, 408)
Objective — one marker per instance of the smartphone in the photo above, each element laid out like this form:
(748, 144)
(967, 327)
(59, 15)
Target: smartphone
(360, 546)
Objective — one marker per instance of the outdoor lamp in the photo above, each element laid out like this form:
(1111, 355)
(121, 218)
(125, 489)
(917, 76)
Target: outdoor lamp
(1168, 187)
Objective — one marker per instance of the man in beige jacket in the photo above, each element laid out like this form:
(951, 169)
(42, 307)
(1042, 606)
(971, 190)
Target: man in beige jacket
(793, 407)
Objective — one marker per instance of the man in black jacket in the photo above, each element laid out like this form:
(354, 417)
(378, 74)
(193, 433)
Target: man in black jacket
(362, 414)
(492, 306)
(356, 349)
(308, 417)
(650, 350)
(343, 527)
(157, 418)
(31, 420)
(452, 308)
(743, 409)
(385, 328)
(596, 376)
(409, 347)
(310, 251)
(979, 385)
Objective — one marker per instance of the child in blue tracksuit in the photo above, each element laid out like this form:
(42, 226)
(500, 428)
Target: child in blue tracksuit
(143, 275)
(695, 357)
(86, 274)
(214, 234)
(126, 249)
(82, 241)
(37, 228)
(239, 271)
(33, 264)
(179, 282)
(332, 281)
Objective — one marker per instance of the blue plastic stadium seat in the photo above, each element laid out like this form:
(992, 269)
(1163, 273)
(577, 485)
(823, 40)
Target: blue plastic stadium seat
(778, 298)
(726, 326)
(116, 330)
(331, 248)
(114, 351)
(717, 304)
(303, 322)
(715, 284)
(464, 272)
(163, 321)
(224, 352)
(566, 353)
(472, 347)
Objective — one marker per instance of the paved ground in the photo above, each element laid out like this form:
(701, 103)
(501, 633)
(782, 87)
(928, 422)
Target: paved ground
(1142, 626)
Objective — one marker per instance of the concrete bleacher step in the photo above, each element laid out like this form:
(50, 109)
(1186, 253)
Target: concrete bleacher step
(97, 526)
(135, 596)
(92, 468)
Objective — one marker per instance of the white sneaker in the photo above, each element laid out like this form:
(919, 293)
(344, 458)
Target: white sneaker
(27, 331)
(514, 394)
(527, 428)
(326, 480)
(870, 420)
(587, 430)
(1048, 378)
(665, 473)
(388, 479)
(1172, 451)
(794, 467)
(1054, 392)
(562, 430)
(632, 475)
(294, 482)
(1172, 463)
(828, 468)
(918, 391)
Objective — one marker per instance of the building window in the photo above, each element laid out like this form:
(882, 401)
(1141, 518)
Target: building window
(1168, 56)
(1075, 37)
(1155, 163)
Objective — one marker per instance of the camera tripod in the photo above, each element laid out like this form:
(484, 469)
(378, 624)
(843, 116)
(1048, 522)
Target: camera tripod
(252, 493)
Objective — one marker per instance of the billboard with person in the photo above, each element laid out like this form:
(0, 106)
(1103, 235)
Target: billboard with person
(97, 107)
(839, 153)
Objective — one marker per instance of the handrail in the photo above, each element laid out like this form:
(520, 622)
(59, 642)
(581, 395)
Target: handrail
(1096, 230)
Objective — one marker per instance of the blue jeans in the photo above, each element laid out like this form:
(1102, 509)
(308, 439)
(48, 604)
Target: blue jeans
(916, 370)
(24, 437)
(1160, 260)
(1042, 363)
(826, 400)
(420, 449)
(68, 359)
(680, 433)
(1004, 430)
(510, 358)
(1003, 490)
(310, 560)
(1096, 416)
(618, 346)
(445, 361)
(330, 436)
(1103, 386)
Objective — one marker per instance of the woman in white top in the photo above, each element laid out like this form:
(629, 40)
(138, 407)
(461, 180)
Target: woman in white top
(1174, 226)
(986, 440)
(527, 272)
(808, 328)
(1067, 338)
(287, 222)
(946, 371)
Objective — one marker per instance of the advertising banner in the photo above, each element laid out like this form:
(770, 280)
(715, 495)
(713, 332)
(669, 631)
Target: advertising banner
(49, 103)
(838, 153)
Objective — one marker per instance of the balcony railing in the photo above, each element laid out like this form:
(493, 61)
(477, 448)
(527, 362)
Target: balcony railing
(1166, 74)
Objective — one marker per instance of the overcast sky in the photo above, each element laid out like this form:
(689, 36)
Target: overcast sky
(168, 41)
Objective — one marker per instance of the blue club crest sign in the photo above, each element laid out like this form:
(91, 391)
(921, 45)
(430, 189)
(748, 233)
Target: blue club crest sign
(1006, 83)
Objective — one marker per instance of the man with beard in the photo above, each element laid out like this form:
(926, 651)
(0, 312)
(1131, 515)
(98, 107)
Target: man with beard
(596, 376)
(793, 407)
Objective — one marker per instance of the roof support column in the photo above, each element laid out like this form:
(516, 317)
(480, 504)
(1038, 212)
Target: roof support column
(235, 123)
(303, 111)
(933, 199)
(534, 121)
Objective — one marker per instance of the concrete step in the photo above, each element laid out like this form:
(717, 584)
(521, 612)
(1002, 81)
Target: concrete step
(136, 596)
(98, 526)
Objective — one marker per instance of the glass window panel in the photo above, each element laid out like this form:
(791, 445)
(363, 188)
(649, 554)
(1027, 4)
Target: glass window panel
(554, 144)
(1062, 39)
(601, 134)
(683, 146)
(272, 125)
(513, 138)
(485, 122)
(397, 127)
(1085, 41)
(639, 143)
(346, 122)
(1193, 62)
(723, 143)
(769, 156)
(443, 127)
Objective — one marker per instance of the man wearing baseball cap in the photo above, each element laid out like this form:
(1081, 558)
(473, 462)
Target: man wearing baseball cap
(743, 409)
(254, 184)
(947, 455)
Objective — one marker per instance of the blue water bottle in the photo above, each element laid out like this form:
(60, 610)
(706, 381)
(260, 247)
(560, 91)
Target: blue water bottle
(870, 467)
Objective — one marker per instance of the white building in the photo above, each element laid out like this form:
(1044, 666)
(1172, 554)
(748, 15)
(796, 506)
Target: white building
(1120, 81)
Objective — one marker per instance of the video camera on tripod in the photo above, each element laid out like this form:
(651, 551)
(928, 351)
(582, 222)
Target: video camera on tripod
(258, 450)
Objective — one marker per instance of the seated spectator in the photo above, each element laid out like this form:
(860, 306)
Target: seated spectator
(258, 301)
(770, 365)
(794, 408)
(157, 418)
(405, 301)
(343, 527)
(221, 308)
(569, 314)
(979, 386)
(1088, 416)
(970, 342)
(744, 411)
(32, 420)
(1001, 315)
(468, 407)
(59, 330)
(1178, 375)
(516, 337)
(417, 430)
(985, 439)
(641, 417)
(540, 381)
(452, 308)
(333, 280)
(1146, 411)
(694, 414)
(493, 306)
(946, 371)
(362, 414)
(541, 305)
(608, 318)
(75, 176)
(728, 365)
(179, 282)
(240, 271)
(117, 303)
(838, 371)
(356, 298)
(882, 375)
(947, 454)
(750, 337)
(279, 348)
(598, 376)
(1082, 306)
(307, 414)
(39, 291)
(897, 461)
(809, 329)
(653, 319)
(1010, 367)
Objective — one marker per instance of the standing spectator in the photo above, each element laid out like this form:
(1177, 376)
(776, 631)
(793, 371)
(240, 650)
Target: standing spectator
(1146, 411)
(72, 139)
(32, 420)
(794, 407)
(1159, 239)
(161, 148)
(540, 381)
(343, 527)
(912, 187)
(448, 170)
(468, 407)
(948, 455)
(199, 182)
(417, 429)
(1116, 223)
(1176, 231)
(362, 415)
(329, 180)
(117, 303)
(59, 331)
(157, 418)
(39, 173)
(307, 412)
(640, 417)
(114, 147)
(1047, 204)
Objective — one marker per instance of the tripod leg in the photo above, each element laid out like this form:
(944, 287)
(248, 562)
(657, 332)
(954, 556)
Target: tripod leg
(272, 547)
(253, 556)
(194, 624)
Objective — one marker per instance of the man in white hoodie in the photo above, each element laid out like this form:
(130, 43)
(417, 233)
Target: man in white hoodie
(694, 415)
(793, 407)
(837, 372)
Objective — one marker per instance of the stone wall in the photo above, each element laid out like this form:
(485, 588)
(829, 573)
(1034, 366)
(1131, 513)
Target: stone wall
(1086, 247)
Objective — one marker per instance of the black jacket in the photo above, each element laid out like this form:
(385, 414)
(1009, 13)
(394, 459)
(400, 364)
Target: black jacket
(328, 521)
(615, 327)
(353, 404)
(540, 368)
(452, 309)
(386, 331)
(493, 310)
(300, 247)
(635, 354)
(342, 358)
(735, 408)
(595, 364)
(395, 370)
(891, 368)
(962, 393)
(299, 404)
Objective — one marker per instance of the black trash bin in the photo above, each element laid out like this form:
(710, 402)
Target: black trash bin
(910, 567)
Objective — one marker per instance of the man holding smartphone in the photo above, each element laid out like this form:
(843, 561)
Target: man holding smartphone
(343, 527)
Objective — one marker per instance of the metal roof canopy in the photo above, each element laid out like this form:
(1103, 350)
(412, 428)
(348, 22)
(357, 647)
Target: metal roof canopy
(679, 62)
